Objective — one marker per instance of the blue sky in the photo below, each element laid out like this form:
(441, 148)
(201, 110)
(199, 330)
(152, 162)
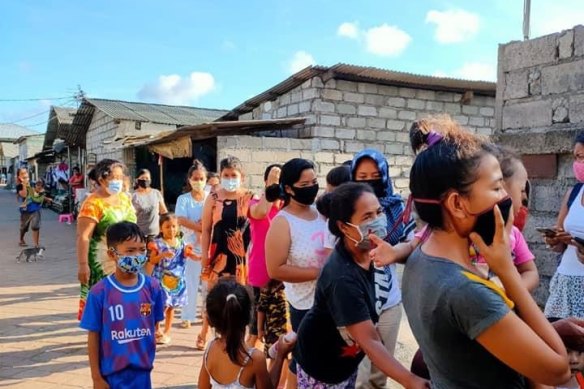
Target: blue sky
(219, 53)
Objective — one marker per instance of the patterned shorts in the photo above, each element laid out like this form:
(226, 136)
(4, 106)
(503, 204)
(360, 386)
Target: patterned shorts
(307, 382)
(566, 297)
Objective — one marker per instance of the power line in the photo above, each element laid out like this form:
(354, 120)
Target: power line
(36, 99)
(30, 117)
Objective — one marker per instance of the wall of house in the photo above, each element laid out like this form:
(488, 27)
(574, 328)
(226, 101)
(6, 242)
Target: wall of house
(102, 129)
(539, 111)
(256, 153)
(346, 117)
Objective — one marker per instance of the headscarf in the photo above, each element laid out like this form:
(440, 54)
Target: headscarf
(392, 203)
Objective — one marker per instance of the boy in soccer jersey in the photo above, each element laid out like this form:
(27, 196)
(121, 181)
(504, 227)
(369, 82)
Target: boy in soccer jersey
(121, 313)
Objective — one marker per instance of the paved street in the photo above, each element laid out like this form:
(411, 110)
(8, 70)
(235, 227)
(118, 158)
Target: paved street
(41, 345)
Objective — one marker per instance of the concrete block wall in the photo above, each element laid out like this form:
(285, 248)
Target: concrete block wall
(256, 153)
(104, 128)
(539, 111)
(346, 117)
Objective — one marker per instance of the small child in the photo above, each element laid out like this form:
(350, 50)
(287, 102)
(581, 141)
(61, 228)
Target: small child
(572, 334)
(121, 314)
(168, 253)
(227, 358)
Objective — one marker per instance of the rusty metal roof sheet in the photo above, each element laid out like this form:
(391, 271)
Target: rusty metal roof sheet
(355, 73)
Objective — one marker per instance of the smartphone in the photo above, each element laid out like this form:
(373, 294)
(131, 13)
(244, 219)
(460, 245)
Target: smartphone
(579, 240)
(551, 232)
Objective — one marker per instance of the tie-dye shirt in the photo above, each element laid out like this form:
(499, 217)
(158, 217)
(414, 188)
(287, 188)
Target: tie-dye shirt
(104, 214)
(125, 318)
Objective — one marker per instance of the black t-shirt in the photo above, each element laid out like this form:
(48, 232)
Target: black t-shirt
(345, 295)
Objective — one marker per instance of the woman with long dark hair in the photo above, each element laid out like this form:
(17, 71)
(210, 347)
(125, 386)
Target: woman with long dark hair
(295, 251)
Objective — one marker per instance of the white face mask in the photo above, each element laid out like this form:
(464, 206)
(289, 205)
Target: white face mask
(207, 188)
(230, 184)
(197, 185)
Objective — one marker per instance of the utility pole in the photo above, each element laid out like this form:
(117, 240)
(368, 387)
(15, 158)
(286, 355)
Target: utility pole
(79, 95)
(526, 16)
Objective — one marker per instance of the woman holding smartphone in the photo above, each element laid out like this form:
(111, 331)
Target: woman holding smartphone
(567, 286)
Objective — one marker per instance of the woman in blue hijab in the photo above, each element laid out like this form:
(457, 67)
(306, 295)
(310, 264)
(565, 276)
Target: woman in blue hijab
(371, 167)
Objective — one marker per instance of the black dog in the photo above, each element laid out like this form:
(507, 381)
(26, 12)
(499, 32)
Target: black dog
(35, 253)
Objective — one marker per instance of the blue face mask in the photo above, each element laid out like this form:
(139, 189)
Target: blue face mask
(230, 184)
(131, 263)
(377, 226)
(115, 186)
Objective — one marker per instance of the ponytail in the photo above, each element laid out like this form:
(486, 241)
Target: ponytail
(229, 312)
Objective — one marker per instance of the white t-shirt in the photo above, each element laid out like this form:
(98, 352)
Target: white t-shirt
(574, 225)
(306, 250)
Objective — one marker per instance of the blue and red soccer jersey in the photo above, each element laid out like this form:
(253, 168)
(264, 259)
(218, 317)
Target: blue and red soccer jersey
(125, 319)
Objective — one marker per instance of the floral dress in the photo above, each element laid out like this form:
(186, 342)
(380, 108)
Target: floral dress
(171, 272)
(104, 214)
(230, 237)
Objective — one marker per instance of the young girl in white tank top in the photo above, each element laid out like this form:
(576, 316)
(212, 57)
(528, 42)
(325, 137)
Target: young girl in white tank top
(228, 363)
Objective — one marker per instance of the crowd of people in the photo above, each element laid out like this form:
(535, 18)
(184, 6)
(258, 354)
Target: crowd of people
(322, 268)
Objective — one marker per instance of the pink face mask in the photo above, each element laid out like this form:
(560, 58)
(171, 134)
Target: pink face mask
(579, 170)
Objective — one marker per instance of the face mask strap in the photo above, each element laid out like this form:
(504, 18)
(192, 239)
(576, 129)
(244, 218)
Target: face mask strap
(360, 233)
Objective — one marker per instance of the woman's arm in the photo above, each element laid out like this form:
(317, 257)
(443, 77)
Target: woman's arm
(206, 229)
(85, 227)
(558, 243)
(366, 336)
(265, 379)
(260, 209)
(191, 225)
(277, 248)
(386, 254)
(526, 341)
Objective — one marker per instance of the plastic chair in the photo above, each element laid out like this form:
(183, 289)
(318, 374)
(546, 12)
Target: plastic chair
(66, 218)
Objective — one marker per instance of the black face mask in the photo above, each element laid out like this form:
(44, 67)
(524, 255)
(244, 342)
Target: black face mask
(485, 224)
(144, 183)
(377, 186)
(305, 195)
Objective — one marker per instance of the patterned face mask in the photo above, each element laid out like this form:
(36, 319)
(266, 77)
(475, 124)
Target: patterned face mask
(131, 263)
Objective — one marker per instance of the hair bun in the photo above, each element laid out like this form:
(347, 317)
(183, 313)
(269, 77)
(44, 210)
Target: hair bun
(274, 192)
(323, 204)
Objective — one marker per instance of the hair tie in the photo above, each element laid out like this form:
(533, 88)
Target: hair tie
(230, 297)
(433, 138)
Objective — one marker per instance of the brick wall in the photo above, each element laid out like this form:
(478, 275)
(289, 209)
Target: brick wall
(539, 111)
(344, 117)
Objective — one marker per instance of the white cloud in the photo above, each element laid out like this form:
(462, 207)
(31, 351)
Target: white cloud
(477, 71)
(299, 61)
(174, 89)
(453, 26)
(348, 30)
(386, 40)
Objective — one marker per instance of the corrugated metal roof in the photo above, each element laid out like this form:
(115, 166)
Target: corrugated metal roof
(207, 130)
(156, 113)
(11, 132)
(59, 125)
(384, 76)
(365, 74)
(140, 112)
(277, 90)
(8, 149)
